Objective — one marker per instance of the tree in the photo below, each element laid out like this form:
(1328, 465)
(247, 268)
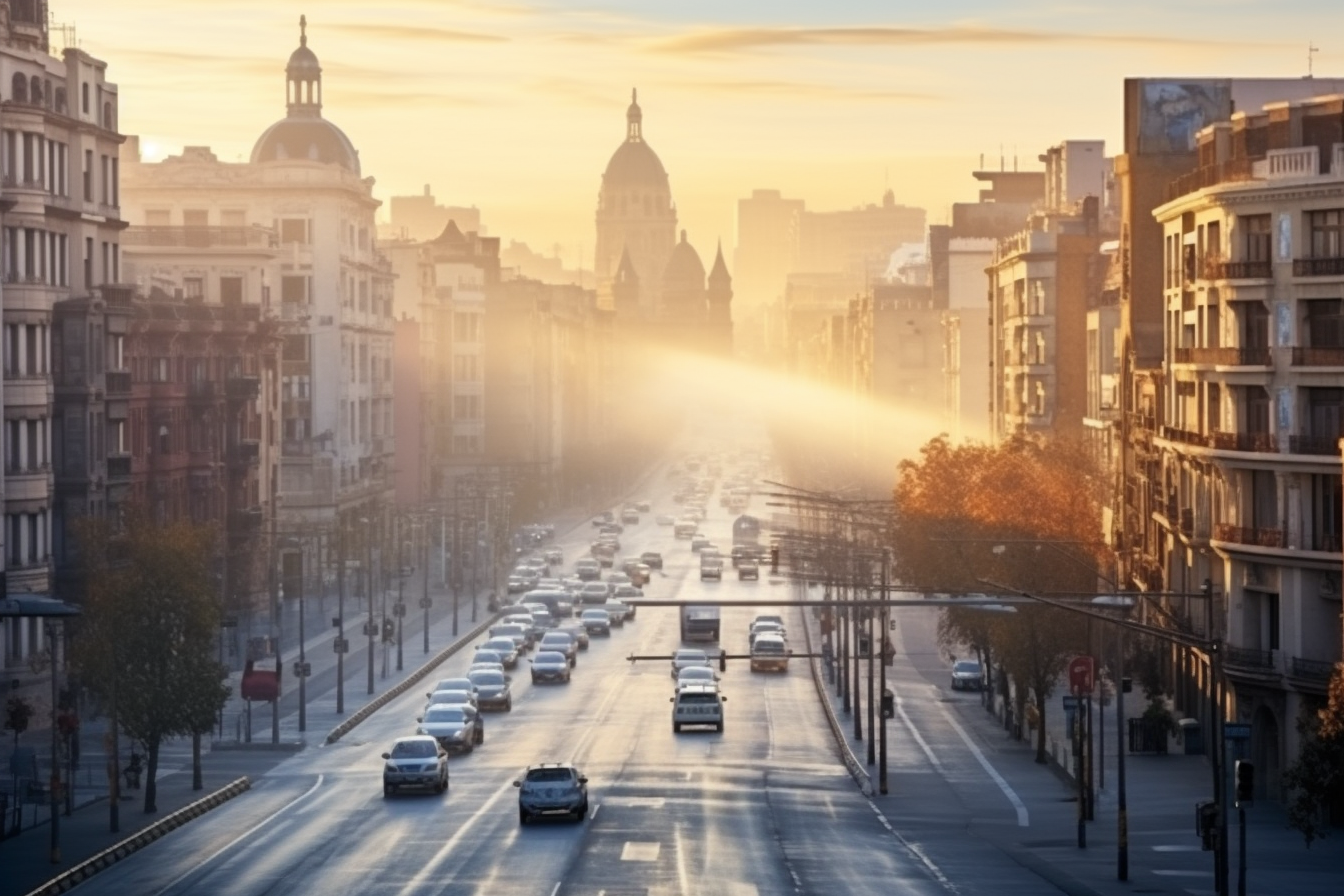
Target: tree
(1021, 517)
(150, 618)
(1316, 779)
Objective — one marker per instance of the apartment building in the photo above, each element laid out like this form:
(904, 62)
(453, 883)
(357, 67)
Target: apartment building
(1247, 485)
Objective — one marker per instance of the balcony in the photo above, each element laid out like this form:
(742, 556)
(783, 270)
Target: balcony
(118, 382)
(1327, 542)
(1248, 657)
(244, 387)
(1224, 357)
(1318, 267)
(245, 453)
(1313, 669)
(1244, 270)
(1260, 538)
(1314, 445)
(1259, 442)
(1184, 436)
(118, 467)
(199, 237)
(1208, 176)
(1314, 356)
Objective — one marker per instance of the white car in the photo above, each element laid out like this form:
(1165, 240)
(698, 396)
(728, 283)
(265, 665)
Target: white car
(686, 657)
(696, 675)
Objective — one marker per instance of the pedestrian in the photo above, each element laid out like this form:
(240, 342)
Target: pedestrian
(133, 770)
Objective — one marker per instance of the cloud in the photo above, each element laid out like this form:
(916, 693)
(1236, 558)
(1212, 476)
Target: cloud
(414, 33)
(731, 40)
(812, 90)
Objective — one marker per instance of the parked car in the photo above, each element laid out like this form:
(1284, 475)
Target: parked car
(456, 728)
(552, 788)
(550, 665)
(416, 761)
(966, 675)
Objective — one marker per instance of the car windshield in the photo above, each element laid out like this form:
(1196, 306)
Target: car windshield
(487, 677)
(454, 684)
(413, 749)
(555, 639)
(691, 656)
(550, 658)
(967, 666)
(445, 714)
(503, 645)
(539, 775)
(696, 673)
(595, 614)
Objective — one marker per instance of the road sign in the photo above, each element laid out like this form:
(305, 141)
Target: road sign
(1080, 674)
(340, 645)
(1071, 703)
(302, 670)
(1237, 730)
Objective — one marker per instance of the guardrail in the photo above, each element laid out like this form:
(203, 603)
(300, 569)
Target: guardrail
(857, 770)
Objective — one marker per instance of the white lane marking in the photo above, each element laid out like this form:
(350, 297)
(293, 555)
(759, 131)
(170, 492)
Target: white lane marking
(248, 833)
(1022, 819)
(431, 867)
(555, 889)
(1174, 848)
(640, 851)
(593, 814)
(914, 732)
(934, 871)
(1184, 873)
(770, 727)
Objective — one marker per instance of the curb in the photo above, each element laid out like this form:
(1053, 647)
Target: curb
(414, 678)
(857, 770)
(140, 839)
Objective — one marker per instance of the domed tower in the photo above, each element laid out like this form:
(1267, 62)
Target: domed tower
(635, 214)
(23, 25)
(684, 299)
(720, 295)
(303, 133)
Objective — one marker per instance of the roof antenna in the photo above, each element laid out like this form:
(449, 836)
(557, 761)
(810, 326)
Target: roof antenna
(1312, 50)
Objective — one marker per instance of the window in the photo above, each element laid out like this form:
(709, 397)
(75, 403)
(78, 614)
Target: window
(19, 88)
(466, 407)
(294, 230)
(231, 291)
(294, 289)
(464, 368)
(193, 289)
(84, 98)
(296, 347)
(88, 175)
(466, 327)
(1325, 229)
(1325, 323)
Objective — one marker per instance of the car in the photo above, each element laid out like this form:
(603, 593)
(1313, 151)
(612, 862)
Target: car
(763, 627)
(643, 506)
(687, 656)
(603, 518)
(516, 584)
(587, 568)
(639, 574)
(489, 655)
(416, 761)
(597, 622)
(507, 648)
(537, 563)
(578, 632)
(454, 684)
(456, 696)
(700, 542)
(748, 569)
(711, 568)
(552, 788)
(696, 675)
(665, 519)
(550, 665)
(769, 617)
(554, 556)
(616, 611)
(630, 516)
(541, 616)
(556, 600)
(769, 652)
(563, 643)
(611, 529)
(627, 593)
(492, 689)
(966, 675)
(697, 704)
(456, 728)
(518, 615)
(486, 667)
(652, 559)
(594, 593)
(516, 631)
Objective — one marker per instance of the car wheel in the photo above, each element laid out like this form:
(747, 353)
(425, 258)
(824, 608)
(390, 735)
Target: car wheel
(580, 815)
(388, 790)
(480, 735)
(718, 726)
(534, 679)
(522, 816)
(676, 727)
(441, 786)
(508, 707)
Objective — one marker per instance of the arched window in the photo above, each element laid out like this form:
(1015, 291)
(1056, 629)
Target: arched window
(20, 88)
(60, 100)
(35, 90)
(46, 92)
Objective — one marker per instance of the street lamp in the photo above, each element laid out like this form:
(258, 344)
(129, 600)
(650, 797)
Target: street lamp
(54, 633)
(1125, 603)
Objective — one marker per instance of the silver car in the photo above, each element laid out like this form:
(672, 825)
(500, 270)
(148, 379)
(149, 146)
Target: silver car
(415, 762)
(456, 728)
(492, 689)
(597, 622)
(506, 647)
(562, 643)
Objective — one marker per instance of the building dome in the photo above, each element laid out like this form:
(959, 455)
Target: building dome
(685, 271)
(634, 164)
(303, 133)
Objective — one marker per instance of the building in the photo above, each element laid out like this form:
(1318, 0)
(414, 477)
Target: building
(858, 242)
(655, 283)
(419, 218)
(1244, 456)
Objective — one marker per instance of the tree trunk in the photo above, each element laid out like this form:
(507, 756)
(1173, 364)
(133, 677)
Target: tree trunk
(196, 782)
(151, 772)
(1040, 734)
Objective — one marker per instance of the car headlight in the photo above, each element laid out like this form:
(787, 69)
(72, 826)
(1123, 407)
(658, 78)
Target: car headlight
(390, 767)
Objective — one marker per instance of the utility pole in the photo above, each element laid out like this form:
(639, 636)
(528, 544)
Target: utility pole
(340, 644)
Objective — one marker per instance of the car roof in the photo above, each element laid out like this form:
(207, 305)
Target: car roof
(414, 738)
(552, 656)
(698, 688)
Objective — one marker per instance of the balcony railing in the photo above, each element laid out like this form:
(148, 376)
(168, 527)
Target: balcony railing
(118, 467)
(1313, 445)
(1208, 176)
(118, 382)
(1328, 542)
(1249, 656)
(1261, 442)
(199, 237)
(1244, 270)
(1317, 669)
(1318, 267)
(1247, 535)
(1185, 436)
(1226, 357)
(1318, 356)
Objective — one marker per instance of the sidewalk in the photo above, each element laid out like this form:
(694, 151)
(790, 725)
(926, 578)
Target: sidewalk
(1161, 792)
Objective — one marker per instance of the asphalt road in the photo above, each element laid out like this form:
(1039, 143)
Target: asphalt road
(764, 807)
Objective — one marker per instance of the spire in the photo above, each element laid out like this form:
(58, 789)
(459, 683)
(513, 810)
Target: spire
(634, 119)
(303, 31)
(303, 78)
(625, 271)
(719, 272)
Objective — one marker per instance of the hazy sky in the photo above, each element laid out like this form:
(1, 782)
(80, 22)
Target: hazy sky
(515, 107)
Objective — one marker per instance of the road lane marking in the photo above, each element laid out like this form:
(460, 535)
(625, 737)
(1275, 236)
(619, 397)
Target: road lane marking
(914, 732)
(1022, 820)
(934, 871)
(636, 851)
(248, 833)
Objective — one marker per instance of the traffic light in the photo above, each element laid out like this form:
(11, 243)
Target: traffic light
(888, 705)
(723, 661)
(388, 629)
(1245, 775)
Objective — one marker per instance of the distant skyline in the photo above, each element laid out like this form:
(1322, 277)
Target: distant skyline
(516, 107)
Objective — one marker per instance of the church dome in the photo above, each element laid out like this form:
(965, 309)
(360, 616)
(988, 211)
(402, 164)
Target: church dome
(634, 164)
(685, 271)
(303, 133)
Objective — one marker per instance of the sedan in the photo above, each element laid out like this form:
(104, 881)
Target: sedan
(561, 642)
(550, 665)
(652, 559)
(415, 762)
(594, 593)
(598, 622)
(454, 684)
(696, 675)
(506, 647)
(665, 519)
(456, 728)
(492, 689)
(576, 631)
(489, 655)
(686, 657)
(456, 696)
(966, 675)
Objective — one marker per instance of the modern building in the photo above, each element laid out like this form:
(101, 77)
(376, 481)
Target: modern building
(1245, 473)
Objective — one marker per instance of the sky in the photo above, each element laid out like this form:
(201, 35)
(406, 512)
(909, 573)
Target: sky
(515, 106)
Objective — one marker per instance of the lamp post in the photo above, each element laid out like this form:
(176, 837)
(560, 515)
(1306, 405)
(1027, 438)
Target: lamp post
(340, 644)
(368, 591)
(424, 593)
(303, 664)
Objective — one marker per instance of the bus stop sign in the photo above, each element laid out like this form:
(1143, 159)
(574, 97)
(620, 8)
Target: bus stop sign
(1080, 674)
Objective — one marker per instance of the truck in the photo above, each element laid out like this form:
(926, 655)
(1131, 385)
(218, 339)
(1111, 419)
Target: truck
(700, 622)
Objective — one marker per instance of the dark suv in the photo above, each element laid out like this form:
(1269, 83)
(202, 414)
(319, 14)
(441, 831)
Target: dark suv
(552, 788)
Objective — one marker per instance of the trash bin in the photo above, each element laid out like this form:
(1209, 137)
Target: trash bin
(1193, 736)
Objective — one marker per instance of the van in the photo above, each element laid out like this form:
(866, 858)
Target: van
(769, 653)
(697, 704)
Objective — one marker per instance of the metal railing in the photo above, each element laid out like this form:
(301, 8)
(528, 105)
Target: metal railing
(1245, 270)
(1318, 267)
(1314, 445)
(1318, 356)
(199, 237)
(1249, 535)
(1317, 669)
(1259, 442)
(1249, 656)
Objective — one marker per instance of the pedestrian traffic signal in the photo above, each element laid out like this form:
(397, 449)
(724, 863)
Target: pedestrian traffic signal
(1245, 775)
(388, 629)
